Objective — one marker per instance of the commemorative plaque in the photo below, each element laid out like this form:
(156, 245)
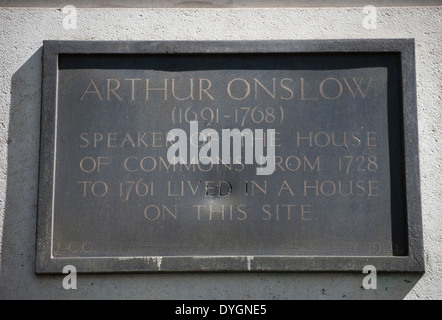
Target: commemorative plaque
(229, 156)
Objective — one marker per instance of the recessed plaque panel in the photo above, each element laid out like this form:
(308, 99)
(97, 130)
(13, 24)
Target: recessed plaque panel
(238, 156)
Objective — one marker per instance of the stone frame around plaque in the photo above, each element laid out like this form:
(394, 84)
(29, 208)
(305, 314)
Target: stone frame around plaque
(412, 262)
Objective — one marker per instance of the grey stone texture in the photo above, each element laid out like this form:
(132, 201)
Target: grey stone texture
(22, 32)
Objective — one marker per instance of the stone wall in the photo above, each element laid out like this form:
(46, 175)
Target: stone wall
(22, 31)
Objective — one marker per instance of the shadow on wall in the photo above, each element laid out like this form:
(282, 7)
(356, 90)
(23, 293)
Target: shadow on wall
(17, 269)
